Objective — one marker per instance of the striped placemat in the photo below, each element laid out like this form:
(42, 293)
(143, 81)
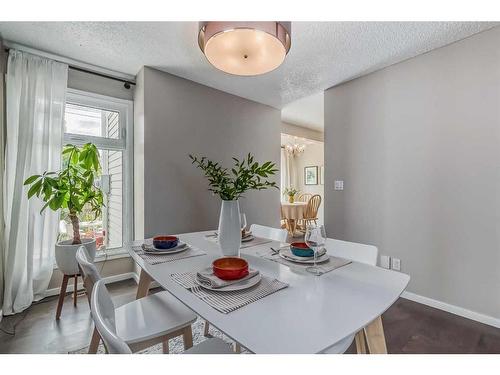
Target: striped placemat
(225, 302)
(332, 264)
(256, 241)
(163, 258)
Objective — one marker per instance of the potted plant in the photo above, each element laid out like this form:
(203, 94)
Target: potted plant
(291, 193)
(72, 189)
(230, 185)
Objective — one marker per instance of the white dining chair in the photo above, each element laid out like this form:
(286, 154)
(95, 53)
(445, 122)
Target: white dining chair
(144, 322)
(355, 252)
(271, 233)
(106, 321)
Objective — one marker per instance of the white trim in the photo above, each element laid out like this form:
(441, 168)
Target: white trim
(107, 280)
(460, 311)
(69, 61)
(125, 143)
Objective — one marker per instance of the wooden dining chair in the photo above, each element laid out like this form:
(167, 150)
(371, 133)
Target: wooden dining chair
(304, 197)
(283, 221)
(361, 253)
(311, 212)
(144, 322)
(106, 322)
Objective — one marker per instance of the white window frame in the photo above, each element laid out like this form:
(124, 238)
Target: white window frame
(125, 143)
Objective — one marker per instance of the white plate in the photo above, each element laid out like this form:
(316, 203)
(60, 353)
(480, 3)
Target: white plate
(248, 238)
(288, 255)
(182, 246)
(248, 283)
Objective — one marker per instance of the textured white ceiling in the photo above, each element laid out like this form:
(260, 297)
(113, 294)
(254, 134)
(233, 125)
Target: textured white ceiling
(307, 112)
(322, 54)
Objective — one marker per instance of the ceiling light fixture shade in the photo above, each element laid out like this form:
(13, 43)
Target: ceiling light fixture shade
(245, 48)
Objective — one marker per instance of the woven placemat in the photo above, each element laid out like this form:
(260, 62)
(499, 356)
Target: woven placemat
(163, 258)
(226, 302)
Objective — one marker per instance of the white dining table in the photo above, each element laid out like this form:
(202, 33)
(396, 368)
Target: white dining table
(310, 315)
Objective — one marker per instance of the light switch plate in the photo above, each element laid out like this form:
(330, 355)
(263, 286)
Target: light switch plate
(339, 185)
(396, 264)
(385, 261)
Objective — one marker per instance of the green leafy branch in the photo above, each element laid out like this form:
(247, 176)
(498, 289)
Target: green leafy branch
(245, 175)
(73, 187)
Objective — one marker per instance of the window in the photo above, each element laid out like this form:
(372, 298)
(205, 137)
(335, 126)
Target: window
(107, 123)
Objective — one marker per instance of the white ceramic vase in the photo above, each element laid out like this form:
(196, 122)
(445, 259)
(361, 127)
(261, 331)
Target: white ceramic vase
(66, 255)
(230, 228)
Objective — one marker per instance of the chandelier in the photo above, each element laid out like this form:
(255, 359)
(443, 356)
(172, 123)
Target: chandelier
(245, 48)
(295, 148)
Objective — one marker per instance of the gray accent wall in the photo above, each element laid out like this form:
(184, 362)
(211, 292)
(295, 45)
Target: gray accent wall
(183, 117)
(418, 147)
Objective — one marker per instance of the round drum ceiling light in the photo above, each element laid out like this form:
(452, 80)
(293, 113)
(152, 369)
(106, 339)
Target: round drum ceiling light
(245, 48)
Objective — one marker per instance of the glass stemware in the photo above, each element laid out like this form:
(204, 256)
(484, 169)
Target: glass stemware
(315, 238)
(243, 222)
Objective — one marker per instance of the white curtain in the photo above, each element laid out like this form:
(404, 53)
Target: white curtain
(3, 64)
(288, 170)
(35, 93)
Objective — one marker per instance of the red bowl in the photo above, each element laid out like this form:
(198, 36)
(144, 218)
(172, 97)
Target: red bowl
(230, 268)
(300, 245)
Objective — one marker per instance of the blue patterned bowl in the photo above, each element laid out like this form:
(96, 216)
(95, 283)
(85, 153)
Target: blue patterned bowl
(165, 242)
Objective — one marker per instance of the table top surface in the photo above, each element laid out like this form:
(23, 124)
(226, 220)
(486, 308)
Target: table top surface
(294, 204)
(309, 316)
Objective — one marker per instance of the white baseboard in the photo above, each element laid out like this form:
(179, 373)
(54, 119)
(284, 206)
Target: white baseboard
(478, 317)
(107, 280)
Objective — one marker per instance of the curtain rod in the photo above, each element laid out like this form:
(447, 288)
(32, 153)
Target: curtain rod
(126, 82)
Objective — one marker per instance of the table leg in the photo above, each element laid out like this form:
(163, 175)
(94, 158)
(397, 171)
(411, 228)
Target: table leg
(187, 337)
(360, 342)
(144, 283)
(375, 337)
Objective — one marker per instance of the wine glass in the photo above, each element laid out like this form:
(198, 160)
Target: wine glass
(315, 238)
(243, 223)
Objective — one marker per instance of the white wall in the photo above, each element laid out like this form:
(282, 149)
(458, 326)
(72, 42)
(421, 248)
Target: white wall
(313, 155)
(301, 132)
(99, 85)
(183, 117)
(417, 145)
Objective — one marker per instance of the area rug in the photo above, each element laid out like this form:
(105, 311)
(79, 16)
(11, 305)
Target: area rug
(176, 345)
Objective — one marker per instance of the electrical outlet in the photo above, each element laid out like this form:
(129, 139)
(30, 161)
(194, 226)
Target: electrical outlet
(339, 185)
(396, 264)
(385, 261)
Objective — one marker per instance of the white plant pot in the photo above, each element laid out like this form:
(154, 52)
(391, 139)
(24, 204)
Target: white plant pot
(66, 255)
(230, 228)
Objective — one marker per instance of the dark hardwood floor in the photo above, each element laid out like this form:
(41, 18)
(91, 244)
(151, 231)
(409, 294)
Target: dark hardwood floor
(409, 328)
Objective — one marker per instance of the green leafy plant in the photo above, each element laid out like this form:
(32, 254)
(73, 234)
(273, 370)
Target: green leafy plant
(245, 175)
(291, 192)
(73, 188)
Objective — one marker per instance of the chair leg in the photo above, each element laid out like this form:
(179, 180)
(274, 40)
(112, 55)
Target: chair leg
(187, 337)
(206, 327)
(94, 342)
(360, 342)
(75, 291)
(62, 294)
(165, 347)
(375, 337)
